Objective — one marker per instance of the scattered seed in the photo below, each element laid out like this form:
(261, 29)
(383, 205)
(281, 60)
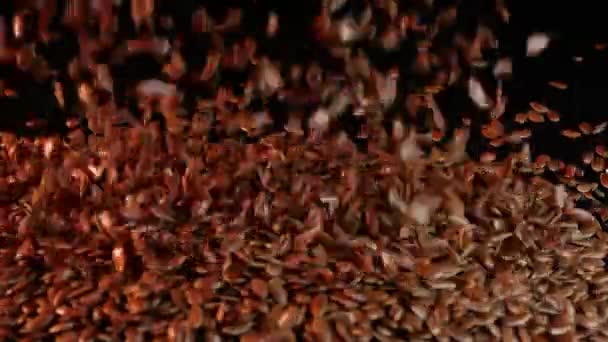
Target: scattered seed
(558, 85)
(572, 134)
(538, 107)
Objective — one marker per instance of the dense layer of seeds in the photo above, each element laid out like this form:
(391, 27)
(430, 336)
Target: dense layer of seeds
(288, 237)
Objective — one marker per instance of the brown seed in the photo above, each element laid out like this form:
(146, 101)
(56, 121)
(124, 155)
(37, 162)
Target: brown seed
(318, 305)
(572, 134)
(61, 327)
(538, 107)
(586, 187)
(26, 249)
(289, 317)
(259, 287)
(553, 116)
(536, 117)
(600, 150)
(542, 160)
(585, 128)
(322, 330)
(437, 135)
(587, 158)
(558, 85)
(196, 317)
(119, 258)
(40, 322)
(570, 171)
(600, 46)
(277, 291)
(598, 164)
(488, 133)
(604, 180)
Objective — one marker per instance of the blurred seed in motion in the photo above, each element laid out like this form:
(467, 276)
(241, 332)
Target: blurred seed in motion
(600, 150)
(553, 116)
(571, 134)
(570, 171)
(554, 165)
(478, 94)
(539, 107)
(599, 128)
(598, 164)
(437, 135)
(604, 180)
(558, 85)
(586, 187)
(119, 258)
(537, 43)
(587, 158)
(585, 128)
(536, 117)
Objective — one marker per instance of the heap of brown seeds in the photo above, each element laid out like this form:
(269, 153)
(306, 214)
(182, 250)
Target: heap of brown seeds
(123, 240)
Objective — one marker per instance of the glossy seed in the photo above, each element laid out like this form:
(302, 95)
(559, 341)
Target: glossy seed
(259, 287)
(553, 116)
(586, 187)
(493, 130)
(604, 180)
(538, 107)
(571, 134)
(119, 258)
(536, 117)
(488, 132)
